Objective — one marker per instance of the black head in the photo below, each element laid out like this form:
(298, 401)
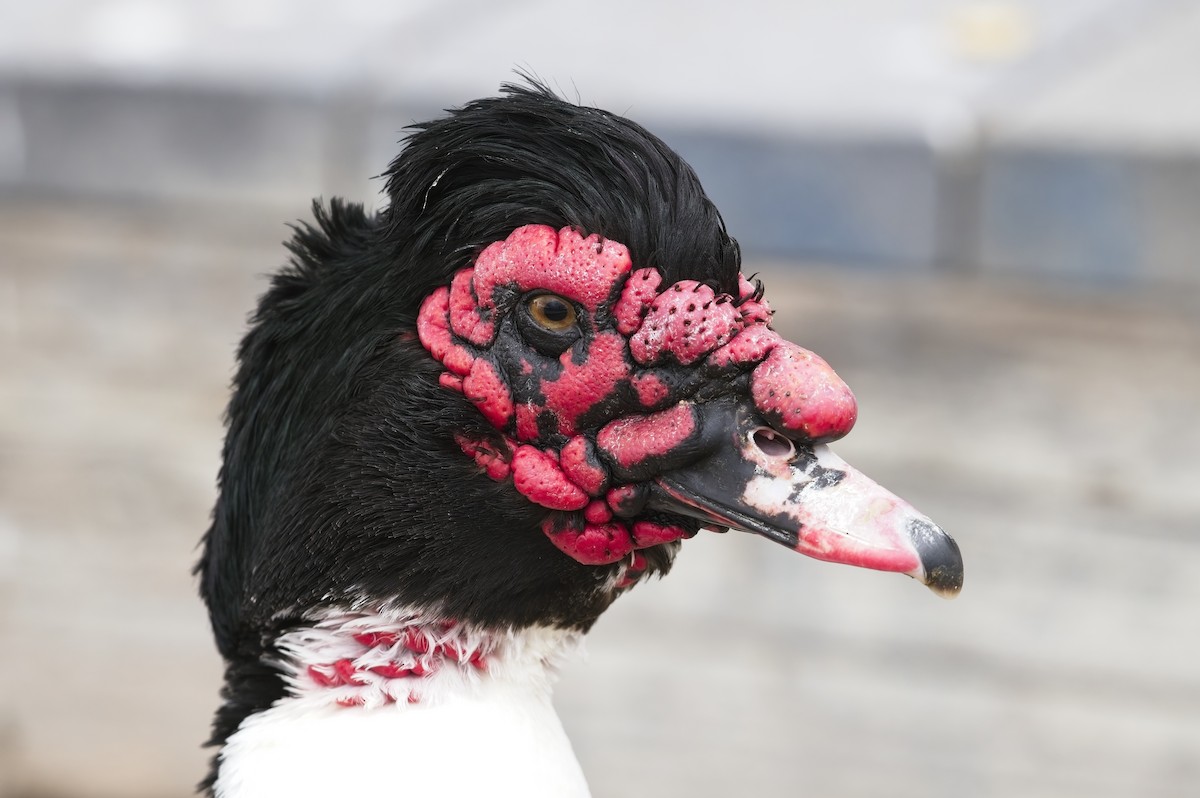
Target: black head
(341, 479)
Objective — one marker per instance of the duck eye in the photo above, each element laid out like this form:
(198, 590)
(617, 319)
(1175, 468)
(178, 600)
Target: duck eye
(552, 312)
(549, 323)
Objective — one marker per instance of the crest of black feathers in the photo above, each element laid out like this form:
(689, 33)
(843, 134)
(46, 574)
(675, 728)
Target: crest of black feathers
(530, 158)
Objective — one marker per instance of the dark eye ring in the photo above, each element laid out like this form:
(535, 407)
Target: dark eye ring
(552, 312)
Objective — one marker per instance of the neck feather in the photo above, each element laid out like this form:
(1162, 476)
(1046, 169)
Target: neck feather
(373, 694)
(399, 657)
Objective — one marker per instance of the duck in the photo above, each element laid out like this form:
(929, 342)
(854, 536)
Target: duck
(463, 424)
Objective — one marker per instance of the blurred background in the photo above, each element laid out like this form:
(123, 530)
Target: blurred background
(985, 214)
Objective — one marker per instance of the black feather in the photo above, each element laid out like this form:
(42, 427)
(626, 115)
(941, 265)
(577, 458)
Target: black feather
(341, 479)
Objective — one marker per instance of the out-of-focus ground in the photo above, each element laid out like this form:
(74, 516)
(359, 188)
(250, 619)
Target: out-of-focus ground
(1053, 434)
(982, 214)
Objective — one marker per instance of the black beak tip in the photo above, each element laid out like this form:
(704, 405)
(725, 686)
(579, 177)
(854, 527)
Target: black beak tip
(940, 558)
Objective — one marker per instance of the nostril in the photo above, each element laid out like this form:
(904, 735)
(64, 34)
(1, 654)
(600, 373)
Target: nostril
(771, 443)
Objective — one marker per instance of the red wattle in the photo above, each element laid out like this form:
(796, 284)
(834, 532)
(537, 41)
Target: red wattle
(538, 477)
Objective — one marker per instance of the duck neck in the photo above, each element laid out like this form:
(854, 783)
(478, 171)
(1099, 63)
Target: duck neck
(399, 703)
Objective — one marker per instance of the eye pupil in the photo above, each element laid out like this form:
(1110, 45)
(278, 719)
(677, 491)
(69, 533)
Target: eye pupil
(555, 310)
(552, 312)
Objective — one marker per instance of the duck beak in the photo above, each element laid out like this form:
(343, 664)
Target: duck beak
(807, 498)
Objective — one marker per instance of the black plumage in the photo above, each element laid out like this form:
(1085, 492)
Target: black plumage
(341, 480)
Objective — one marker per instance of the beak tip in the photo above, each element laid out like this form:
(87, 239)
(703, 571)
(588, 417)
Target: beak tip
(945, 583)
(941, 560)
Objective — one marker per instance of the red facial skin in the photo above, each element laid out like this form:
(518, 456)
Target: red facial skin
(591, 544)
(684, 323)
(582, 386)
(633, 440)
(534, 257)
(581, 465)
(637, 295)
(484, 387)
(651, 390)
(540, 479)
(799, 392)
(618, 400)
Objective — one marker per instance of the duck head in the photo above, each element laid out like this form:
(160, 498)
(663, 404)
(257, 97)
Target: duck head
(512, 392)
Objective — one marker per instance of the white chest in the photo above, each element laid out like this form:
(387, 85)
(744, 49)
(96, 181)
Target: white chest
(473, 732)
(497, 742)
